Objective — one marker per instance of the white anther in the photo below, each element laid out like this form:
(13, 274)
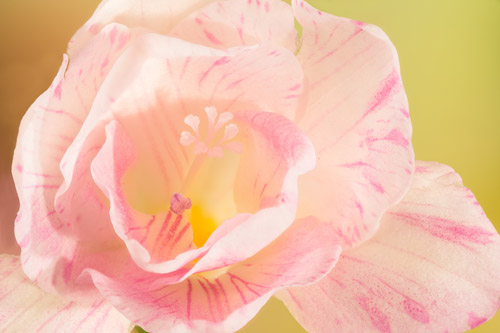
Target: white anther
(230, 132)
(187, 138)
(211, 114)
(224, 117)
(192, 121)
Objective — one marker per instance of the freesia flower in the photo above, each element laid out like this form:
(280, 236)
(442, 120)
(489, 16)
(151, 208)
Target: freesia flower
(192, 159)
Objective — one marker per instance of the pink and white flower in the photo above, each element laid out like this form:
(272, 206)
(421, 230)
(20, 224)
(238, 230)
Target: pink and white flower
(194, 158)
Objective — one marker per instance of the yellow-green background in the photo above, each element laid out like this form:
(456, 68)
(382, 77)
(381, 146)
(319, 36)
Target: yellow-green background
(450, 60)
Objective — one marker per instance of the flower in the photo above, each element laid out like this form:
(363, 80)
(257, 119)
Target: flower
(100, 162)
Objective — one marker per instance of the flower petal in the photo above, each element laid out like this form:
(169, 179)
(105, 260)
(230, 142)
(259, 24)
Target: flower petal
(225, 24)
(225, 301)
(357, 119)
(48, 242)
(154, 15)
(26, 308)
(433, 266)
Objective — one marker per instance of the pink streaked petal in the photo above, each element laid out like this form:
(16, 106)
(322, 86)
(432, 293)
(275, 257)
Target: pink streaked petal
(150, 238)
(26, 308)
(433, 266)
(357, 118)
(48, 241)
(226, 24)
(153, 15)
(225, 301)
(279, 152)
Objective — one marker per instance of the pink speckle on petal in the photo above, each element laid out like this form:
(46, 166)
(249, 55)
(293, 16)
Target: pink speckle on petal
(105, 63)
(378, 319)
(474, 320)
(383, 94)
(397, 138)
(112, 35)
(359, 207)
(421, 169)
(377, 186)
(448, 230)
(405, 113)
(94, 29)
(58, 90)
(358, 23)
(416, 310)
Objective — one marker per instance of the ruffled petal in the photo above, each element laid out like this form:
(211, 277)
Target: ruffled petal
(357, 117)
(48, 240)
(223, 301)
(26, 308)
(225, 24)
(154, 15)
(433, 266)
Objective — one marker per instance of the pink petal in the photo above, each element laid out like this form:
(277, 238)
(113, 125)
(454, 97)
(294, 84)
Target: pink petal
(26, 308)
(48, 241)
(225, 301)
(225, 24)
(153, 15)
(357, 118)
(433, 266)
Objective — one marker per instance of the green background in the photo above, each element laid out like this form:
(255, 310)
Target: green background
(450, 62)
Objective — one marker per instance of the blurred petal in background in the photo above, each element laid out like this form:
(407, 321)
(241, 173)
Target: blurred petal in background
(449, 52)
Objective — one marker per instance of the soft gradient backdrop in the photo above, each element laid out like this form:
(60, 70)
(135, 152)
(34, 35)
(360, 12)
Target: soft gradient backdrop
(450, 62)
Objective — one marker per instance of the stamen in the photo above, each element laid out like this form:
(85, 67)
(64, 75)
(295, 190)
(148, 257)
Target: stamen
(205, 145)
(178, 204)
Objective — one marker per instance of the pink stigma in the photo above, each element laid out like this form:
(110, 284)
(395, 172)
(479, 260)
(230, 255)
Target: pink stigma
(178, 204)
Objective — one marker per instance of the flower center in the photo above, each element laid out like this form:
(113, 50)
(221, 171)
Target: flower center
(210, 179)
